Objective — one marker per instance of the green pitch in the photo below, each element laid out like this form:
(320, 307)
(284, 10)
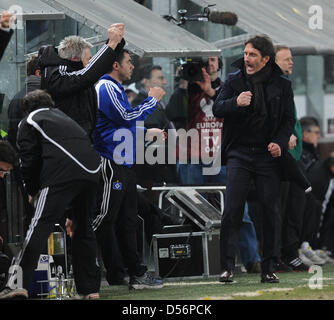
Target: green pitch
(292, 286)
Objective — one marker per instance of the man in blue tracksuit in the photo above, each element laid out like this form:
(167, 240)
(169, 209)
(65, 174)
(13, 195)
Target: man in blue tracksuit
(115, 140)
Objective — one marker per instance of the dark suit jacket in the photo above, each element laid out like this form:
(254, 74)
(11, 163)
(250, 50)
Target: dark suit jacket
(280, 108)
(4, 40)
(279, 102)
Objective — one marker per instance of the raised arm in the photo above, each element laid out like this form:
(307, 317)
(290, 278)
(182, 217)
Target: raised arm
(60, 82)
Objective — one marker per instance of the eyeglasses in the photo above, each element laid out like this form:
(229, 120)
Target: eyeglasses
(3, 173)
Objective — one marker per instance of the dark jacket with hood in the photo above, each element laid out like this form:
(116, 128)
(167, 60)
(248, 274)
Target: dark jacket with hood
(15, 109)
(72, 86)
(310, 156)
(322, 180)
(54, 149)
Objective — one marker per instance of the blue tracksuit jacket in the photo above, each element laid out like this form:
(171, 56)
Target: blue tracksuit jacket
(116, 127)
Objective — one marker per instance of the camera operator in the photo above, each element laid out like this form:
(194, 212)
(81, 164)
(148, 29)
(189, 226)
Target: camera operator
(190, 106)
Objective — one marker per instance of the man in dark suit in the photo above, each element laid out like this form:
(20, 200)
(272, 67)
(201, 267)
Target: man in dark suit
(256, 103)
(5, 31)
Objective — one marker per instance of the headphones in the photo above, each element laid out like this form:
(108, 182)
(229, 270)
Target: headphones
(220, 63)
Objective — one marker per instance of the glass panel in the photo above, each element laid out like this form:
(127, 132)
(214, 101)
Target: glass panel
(298, 76)
(329, 74)
(229, 56)
(12, 74)
(44, 32)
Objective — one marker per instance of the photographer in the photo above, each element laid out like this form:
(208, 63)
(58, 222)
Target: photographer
(190, 106)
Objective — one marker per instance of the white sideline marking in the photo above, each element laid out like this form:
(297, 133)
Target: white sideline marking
(190, 283)
(247, 294)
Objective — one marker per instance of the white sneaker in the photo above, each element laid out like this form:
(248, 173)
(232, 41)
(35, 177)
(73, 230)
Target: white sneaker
(322, 254)
(310, 254)
(13, 294)
(305, 260)
(146, 281)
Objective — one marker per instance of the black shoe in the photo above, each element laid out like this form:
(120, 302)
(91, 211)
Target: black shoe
(269, 277)
(226, 276)
(280, 266)
(297, 265)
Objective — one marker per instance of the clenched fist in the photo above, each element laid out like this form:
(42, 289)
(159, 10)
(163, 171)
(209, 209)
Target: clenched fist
(115, 34)
(157, 93)
(160, 134)
(274, 149)
(244, 99)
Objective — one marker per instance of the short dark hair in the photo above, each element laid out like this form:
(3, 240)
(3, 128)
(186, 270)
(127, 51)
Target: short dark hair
(147, 72)
(32, 65)
(264, 44)
(36, 99)
(7, 153)
(119, 58)
(307, 123)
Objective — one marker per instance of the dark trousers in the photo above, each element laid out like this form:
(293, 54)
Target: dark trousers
(50, 209)
(326, 235)
(311, 220)
(243, 165)
(116, 220)
(292, 221)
